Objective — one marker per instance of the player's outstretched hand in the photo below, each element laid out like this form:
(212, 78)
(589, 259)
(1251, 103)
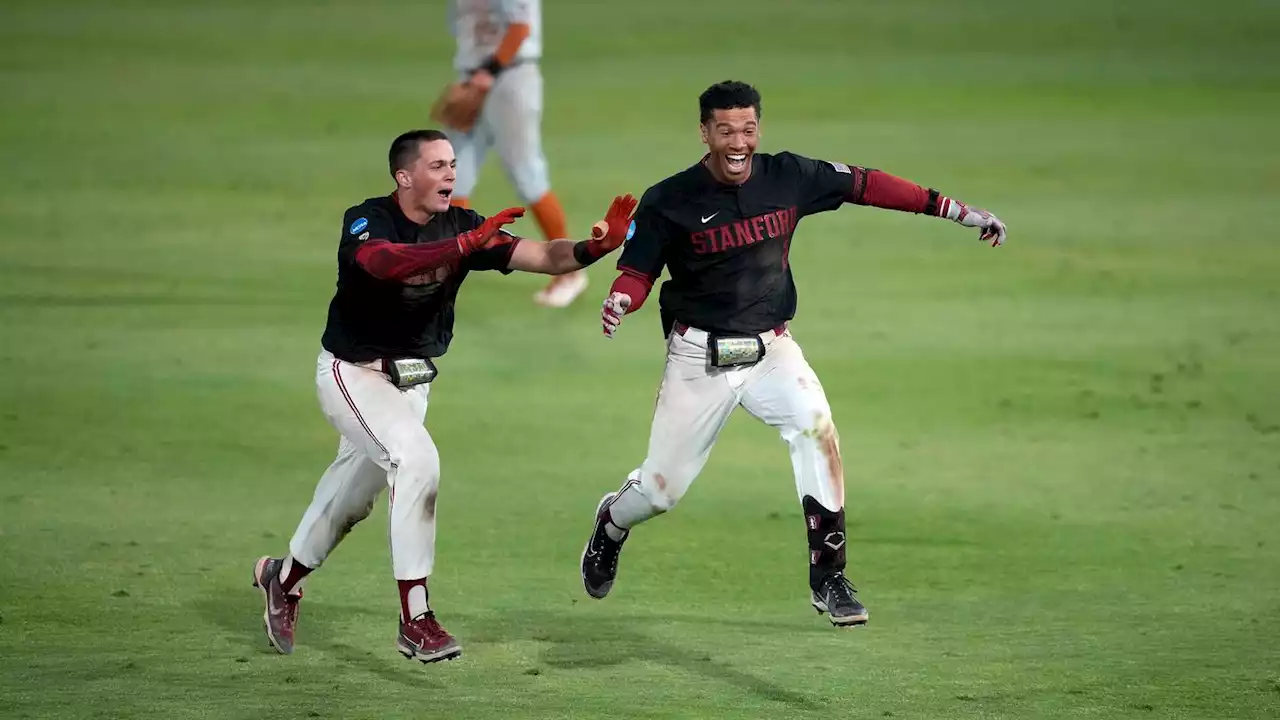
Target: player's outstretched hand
(487, 234)
(993, 230)
(612, 231)
(615, 307)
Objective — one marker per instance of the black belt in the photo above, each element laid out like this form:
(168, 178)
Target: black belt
(681, 328)
(514, 63)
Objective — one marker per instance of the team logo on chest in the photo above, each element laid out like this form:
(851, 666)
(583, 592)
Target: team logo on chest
(739, 233)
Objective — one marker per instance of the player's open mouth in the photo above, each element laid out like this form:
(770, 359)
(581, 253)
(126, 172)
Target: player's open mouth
(736, 162)
(446, 193)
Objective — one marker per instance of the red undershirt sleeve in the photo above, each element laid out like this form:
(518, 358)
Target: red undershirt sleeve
(882, 190)
(391, 261)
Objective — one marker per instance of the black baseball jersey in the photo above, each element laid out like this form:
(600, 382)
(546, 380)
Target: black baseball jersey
(371, 318)
(726, 246)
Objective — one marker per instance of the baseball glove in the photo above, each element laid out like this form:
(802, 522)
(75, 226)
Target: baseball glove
(458, 106)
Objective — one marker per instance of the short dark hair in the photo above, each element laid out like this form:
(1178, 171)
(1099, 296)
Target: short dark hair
(728, 95)
(404, 149)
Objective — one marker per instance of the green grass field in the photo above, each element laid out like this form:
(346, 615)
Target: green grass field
(1063, 457)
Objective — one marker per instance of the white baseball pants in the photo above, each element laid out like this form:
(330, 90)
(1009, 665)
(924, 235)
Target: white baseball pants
(694, 403)
(511, 123)
(383, 445)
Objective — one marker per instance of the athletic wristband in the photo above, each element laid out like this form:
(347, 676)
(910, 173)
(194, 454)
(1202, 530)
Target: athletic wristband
(949, 209)
(931, 205)
(584, 252)
(491, 65)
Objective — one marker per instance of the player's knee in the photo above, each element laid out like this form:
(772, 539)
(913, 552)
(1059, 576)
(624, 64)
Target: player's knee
(662, 502)
(811, 423)
(663, 490)
(530, 179)
(813, 416)
(821, 431)
(352, 519)
(416, 483)
(419, 460)
(360, 513)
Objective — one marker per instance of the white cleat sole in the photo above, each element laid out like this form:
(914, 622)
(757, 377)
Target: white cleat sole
(413, 653)
(850, 621)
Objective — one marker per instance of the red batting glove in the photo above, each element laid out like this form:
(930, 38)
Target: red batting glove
(618, 222)
(486, 236)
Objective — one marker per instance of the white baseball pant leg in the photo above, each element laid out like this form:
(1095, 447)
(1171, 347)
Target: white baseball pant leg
(513, 115)
(510, 122)
(384, 444)
(470, 149)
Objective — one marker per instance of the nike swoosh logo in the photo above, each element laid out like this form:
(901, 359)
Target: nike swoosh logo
(705, 219)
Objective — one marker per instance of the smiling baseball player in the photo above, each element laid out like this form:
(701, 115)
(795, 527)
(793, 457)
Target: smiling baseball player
(722, 229)
(402, 258)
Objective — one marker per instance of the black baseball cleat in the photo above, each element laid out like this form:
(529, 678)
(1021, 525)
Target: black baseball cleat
(600, 556)
(837, 597)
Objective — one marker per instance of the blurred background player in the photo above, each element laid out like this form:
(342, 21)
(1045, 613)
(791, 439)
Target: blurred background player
(499, 44)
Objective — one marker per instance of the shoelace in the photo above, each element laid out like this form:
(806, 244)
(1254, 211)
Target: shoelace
(839, 590)
(291, 608)
(430, 626)
(609, 550)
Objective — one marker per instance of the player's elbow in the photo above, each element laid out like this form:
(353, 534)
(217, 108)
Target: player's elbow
(375, 258)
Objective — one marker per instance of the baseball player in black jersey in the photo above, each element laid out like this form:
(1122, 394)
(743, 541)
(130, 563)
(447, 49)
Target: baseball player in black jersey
(401, 261)
(722, 229)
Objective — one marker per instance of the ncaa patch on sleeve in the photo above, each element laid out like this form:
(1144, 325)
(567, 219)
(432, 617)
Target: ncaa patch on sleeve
(631, 230)
(840, 167)
(359, 225)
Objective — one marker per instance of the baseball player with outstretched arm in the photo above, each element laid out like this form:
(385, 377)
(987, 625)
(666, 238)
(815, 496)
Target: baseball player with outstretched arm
(722, 229)
(496, 103)
(401, 261)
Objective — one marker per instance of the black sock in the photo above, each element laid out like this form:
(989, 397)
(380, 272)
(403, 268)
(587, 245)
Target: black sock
(826, 540)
